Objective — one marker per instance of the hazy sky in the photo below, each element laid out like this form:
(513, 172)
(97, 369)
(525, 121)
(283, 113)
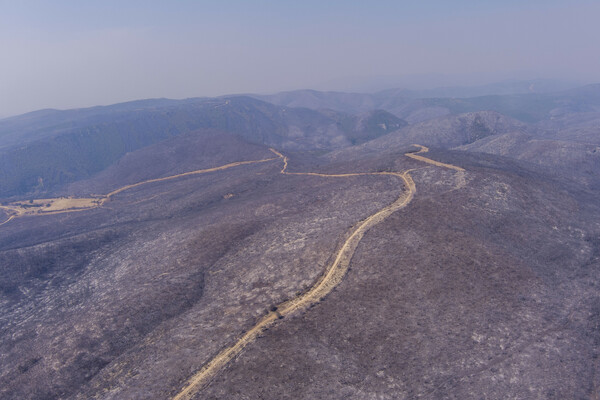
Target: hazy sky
(65, 54)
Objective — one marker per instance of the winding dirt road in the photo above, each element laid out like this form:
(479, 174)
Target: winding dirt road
(66, 205)
(424, 149)
(197, 172)
(330, 279)
(332, 276)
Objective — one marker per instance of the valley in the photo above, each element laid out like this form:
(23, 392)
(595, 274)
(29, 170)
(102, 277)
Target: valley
(245, 249)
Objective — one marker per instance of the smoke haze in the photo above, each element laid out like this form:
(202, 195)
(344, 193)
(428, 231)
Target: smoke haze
(74, 54)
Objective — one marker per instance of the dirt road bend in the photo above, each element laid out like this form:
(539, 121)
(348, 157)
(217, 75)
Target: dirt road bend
(332, 276)
(424, 149)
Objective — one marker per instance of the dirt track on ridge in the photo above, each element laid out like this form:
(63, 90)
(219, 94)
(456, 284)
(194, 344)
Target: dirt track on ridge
(332, 276)
(66, 205)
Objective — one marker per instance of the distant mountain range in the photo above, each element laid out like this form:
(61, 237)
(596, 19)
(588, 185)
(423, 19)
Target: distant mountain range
(529, 106)
(47, 149)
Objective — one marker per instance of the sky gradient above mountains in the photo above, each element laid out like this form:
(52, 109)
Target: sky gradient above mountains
(73, 54)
